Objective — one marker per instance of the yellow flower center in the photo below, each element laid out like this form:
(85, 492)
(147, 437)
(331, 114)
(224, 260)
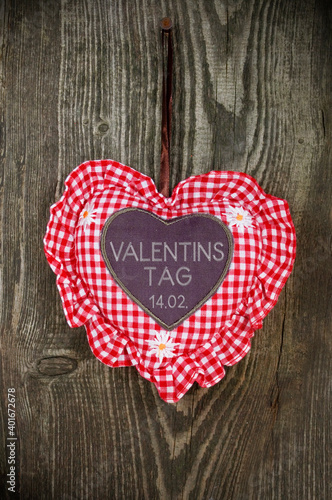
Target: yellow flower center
(85, 214)
(162, 347)
(239, 217)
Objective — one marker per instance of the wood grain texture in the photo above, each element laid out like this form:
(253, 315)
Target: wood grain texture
(81, 80)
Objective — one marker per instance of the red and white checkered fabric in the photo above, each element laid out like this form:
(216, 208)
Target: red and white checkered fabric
(119, 331)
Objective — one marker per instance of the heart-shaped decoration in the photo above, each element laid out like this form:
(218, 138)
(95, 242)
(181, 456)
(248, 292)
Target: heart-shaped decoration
(170, 268)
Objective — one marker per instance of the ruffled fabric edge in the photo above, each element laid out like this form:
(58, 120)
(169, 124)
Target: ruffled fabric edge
(174, 378)
(232, 343)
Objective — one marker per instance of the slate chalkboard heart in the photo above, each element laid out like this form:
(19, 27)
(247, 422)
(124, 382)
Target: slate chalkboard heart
(170, 268)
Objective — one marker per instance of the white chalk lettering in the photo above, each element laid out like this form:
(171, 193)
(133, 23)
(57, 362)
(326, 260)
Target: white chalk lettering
(206, 253)
(166, 276)
(216, 249)
(185, 244)
(187, 277)
(150, 269)
(130, 252)
(167, 249)
(117, 256)
(160, 251)
(141, 258)
(155, 251)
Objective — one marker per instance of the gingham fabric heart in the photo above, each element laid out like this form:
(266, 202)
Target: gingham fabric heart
(121, 332)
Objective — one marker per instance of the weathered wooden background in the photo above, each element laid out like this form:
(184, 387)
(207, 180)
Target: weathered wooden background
(252, 92)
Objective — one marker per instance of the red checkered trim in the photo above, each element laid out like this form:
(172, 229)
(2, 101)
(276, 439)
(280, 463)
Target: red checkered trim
(118, 330)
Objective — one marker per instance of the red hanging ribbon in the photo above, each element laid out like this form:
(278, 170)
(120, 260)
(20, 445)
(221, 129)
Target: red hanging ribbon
(166, 40)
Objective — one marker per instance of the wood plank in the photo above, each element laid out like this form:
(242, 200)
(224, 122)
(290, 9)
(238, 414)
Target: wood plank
(252, 93)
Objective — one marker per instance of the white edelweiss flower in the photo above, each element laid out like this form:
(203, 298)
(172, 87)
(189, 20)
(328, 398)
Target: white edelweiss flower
(239, 217)
(87, 216)
(162, 345)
